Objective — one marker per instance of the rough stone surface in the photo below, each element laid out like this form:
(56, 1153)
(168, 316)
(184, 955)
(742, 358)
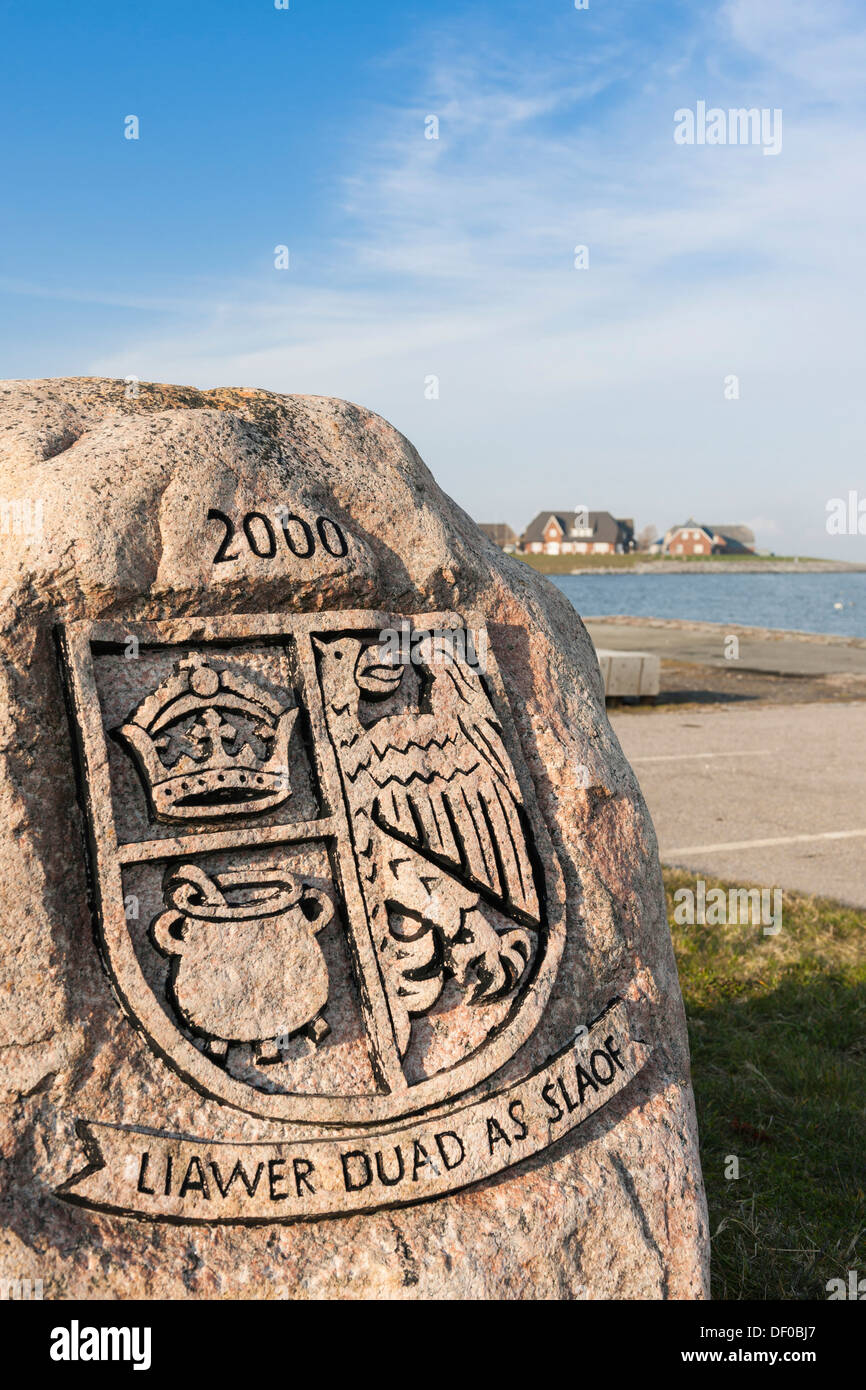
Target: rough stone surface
(105, 518)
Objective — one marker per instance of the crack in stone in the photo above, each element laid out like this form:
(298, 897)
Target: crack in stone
(627, 1182)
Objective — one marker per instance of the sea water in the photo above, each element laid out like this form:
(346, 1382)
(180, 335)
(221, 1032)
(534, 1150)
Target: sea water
(829, 603)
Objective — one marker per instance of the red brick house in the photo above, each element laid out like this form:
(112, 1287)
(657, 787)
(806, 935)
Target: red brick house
(578, 533)
(694, 538)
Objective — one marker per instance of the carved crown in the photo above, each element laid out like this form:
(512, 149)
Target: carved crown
(208, 742)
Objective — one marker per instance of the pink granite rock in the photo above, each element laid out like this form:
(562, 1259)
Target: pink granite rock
(274, 897)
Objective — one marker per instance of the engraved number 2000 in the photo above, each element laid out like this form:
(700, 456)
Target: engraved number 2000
(260, 532)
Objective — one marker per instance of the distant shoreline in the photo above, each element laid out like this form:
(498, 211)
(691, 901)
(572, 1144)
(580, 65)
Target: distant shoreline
(716, 630)
(628, 564)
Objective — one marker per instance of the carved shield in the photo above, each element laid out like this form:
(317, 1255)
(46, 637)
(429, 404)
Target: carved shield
(322, 887)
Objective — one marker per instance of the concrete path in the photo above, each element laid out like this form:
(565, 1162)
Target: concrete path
(780, 653)
(772, 797)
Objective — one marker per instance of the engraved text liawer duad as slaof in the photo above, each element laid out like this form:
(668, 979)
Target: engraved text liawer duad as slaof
(348, 914)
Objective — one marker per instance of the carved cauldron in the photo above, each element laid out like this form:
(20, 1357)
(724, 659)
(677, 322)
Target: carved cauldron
(246, 965)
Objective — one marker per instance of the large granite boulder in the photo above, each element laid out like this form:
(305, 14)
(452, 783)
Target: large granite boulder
(326, 889)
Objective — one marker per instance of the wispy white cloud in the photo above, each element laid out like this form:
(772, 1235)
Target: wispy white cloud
(822, 45)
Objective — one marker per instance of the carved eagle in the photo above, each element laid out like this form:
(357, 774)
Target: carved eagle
(440, 834)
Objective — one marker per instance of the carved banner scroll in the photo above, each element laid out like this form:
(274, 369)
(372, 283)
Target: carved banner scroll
(191, 1180)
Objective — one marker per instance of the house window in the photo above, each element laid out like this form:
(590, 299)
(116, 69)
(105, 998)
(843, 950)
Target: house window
(678, 549)
(699, 550)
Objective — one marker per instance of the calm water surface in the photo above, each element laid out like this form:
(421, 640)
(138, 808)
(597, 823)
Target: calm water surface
(834, 603)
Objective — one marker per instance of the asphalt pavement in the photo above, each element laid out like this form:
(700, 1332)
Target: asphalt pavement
(758, 649)
(770, 796)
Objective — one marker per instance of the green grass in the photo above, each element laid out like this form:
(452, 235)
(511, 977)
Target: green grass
(564, 564)
(777, 1026)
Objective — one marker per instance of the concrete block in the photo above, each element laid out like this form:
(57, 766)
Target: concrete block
(629, 673)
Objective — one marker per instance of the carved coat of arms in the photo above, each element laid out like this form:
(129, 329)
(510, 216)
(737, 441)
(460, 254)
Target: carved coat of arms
(323, 890)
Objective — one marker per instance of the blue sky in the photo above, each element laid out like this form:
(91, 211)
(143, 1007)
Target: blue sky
(454, 258)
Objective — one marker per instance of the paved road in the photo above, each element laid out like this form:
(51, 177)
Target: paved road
(771, 797)
(785, 653)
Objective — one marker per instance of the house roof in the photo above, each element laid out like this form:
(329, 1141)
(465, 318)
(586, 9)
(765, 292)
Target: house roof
(744, 534)
(498, 531)
(733, 537)
(604, 527)
(692, 525)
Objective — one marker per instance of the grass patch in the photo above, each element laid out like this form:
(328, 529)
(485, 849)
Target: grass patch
(777, 1027)
(565, 564)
